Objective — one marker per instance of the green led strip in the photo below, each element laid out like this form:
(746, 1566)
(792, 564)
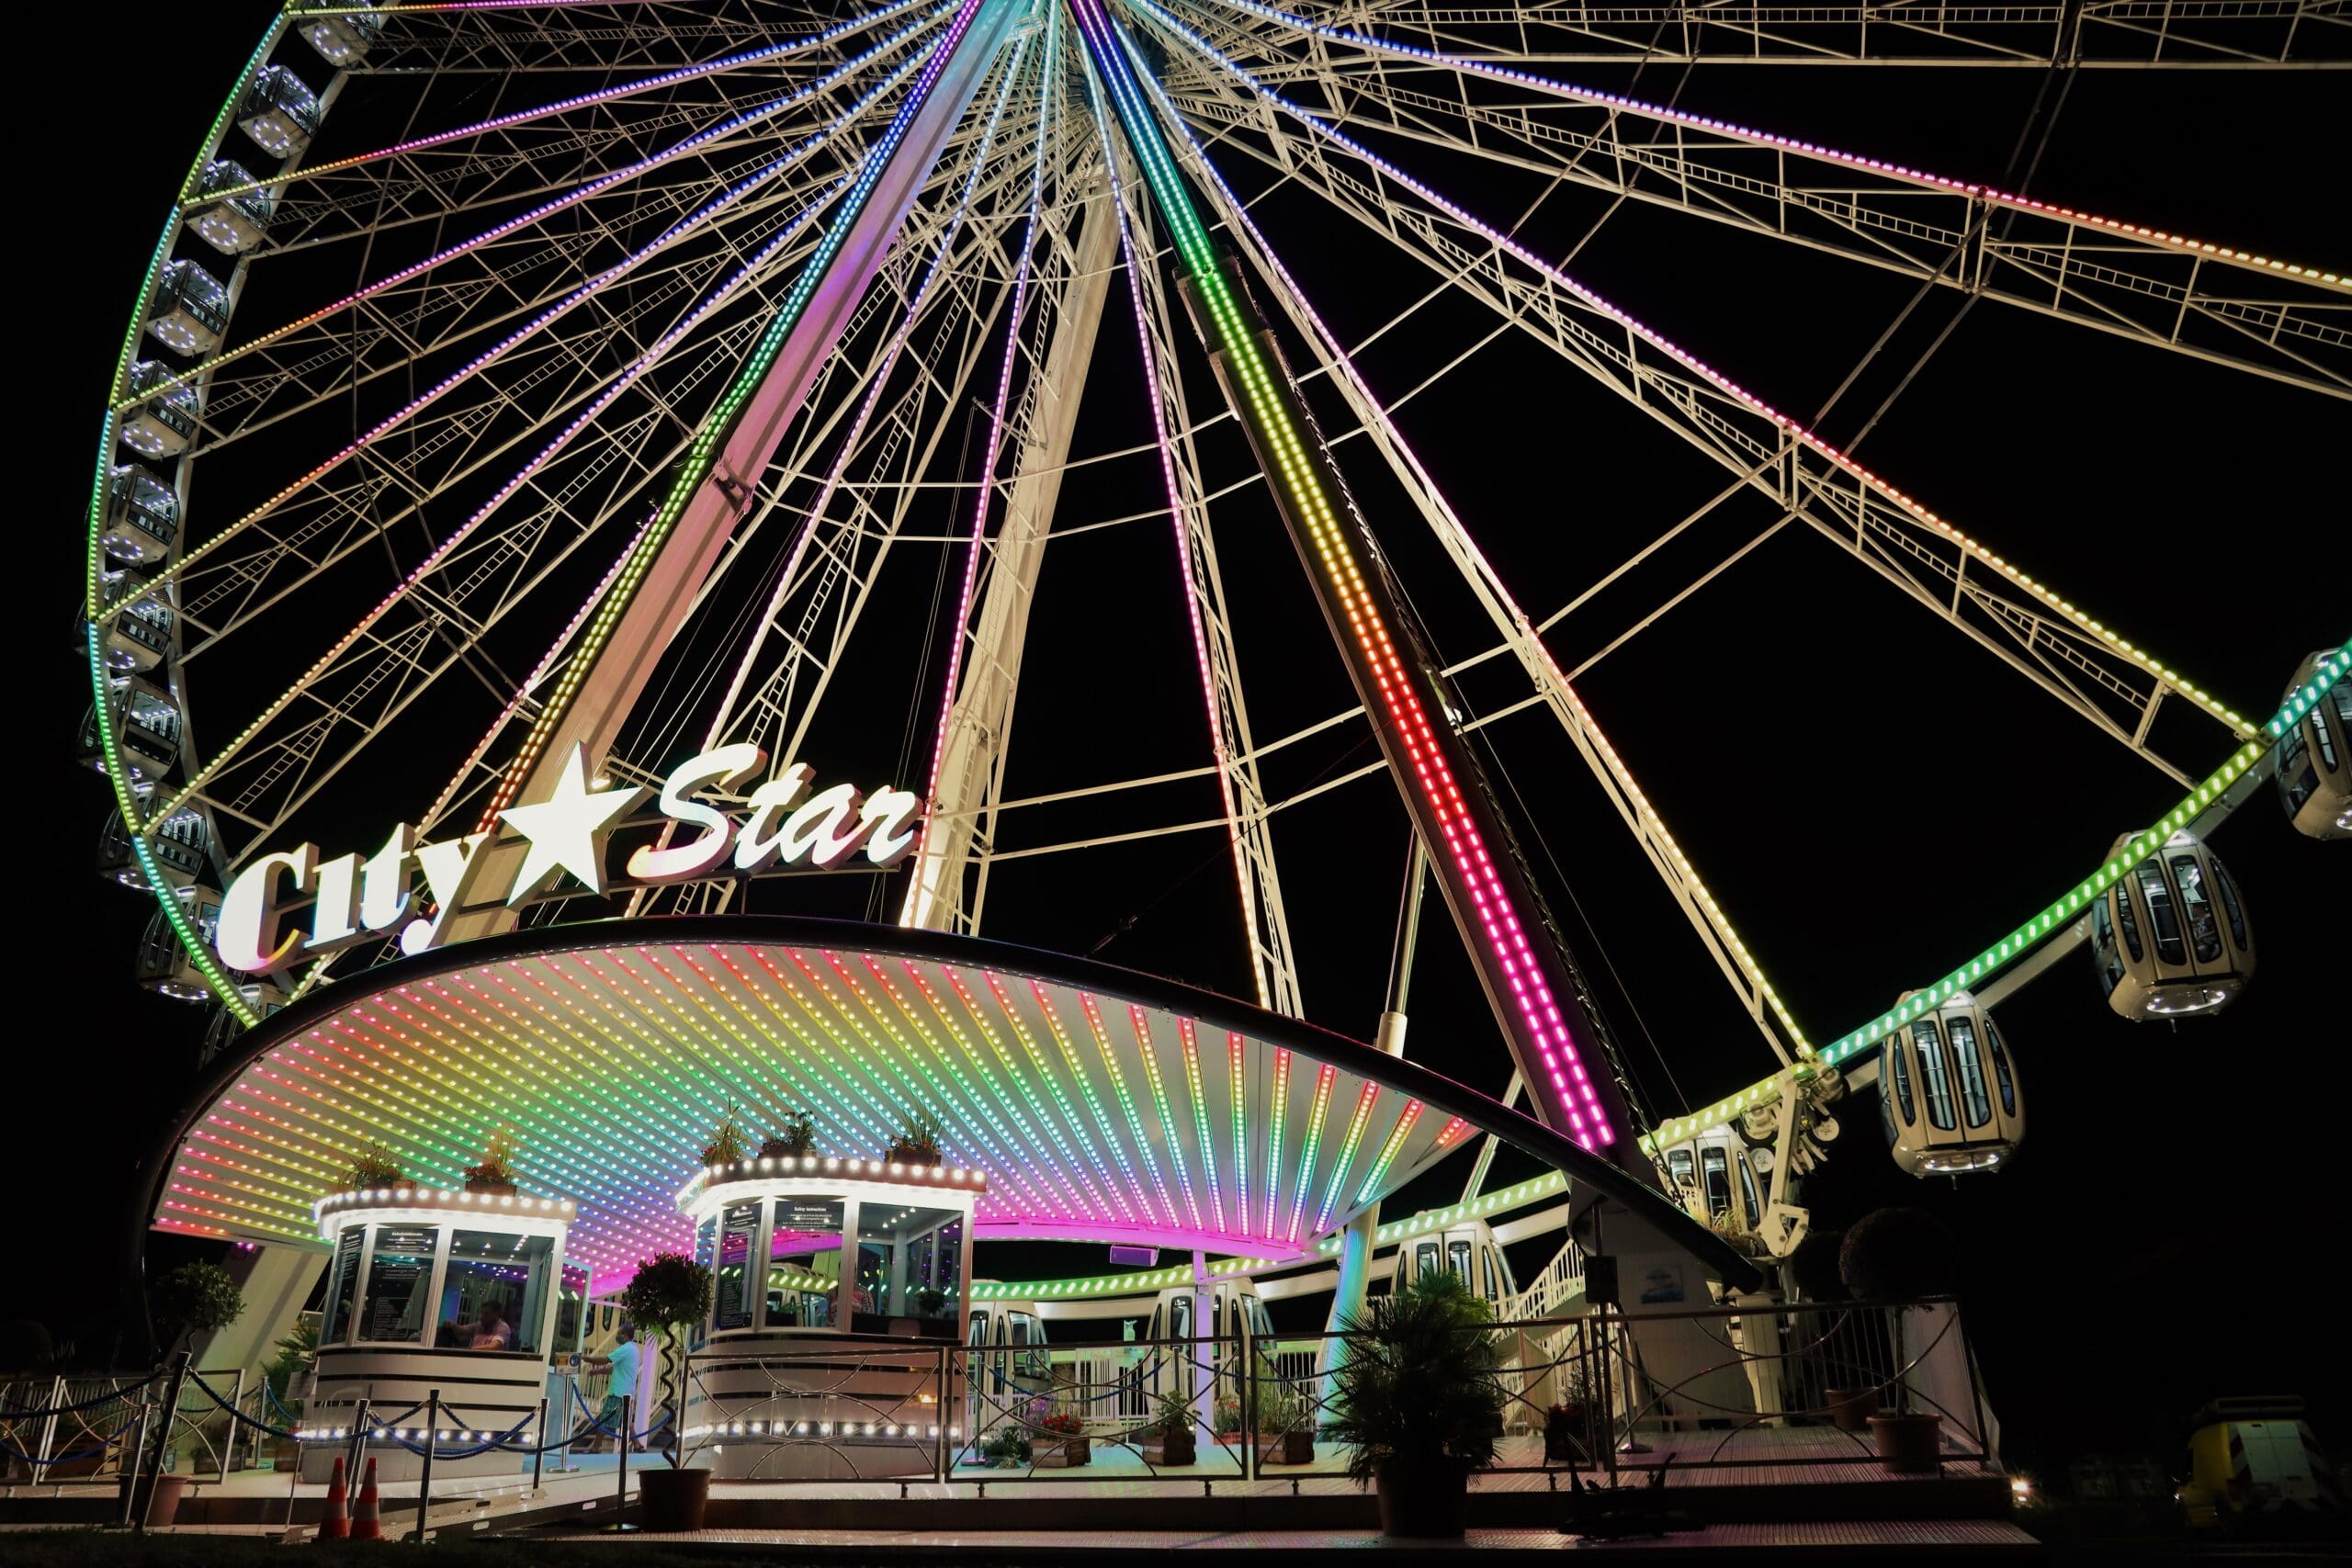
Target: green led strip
(2064, 911)
(1126, 1102)
(1548, 1185)
(1069, 1115)
(1318, 1111)
(1109, 1284)
(1150, 1056)
(1189, 1037)
(1389, 1148)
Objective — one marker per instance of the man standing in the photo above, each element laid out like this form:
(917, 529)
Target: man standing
(623, 1357)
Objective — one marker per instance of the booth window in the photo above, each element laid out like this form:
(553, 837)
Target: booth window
(571, 1308)
(502, 1269)
(737, 1234)
(400, 1280)
(946, 1271)
(805, 1245)
(342, 1287)
(1974, 1102)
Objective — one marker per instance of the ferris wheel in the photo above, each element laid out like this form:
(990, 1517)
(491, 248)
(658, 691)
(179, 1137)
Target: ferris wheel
(527, 398)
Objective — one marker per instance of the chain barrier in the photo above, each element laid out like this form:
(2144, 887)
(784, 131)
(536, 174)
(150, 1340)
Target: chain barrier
(9, 1413)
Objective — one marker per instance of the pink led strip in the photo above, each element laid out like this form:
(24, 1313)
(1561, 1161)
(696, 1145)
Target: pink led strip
(563, 105)
(570, 198)
(994, 446)
(1545, 1028)
(788, 578)
(1238, 213)
(1768, 139)
(1716, 378)
(1176, 518)
(554, 313)
(545, 456)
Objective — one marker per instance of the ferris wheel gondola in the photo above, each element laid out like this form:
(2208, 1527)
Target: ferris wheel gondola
(2315, 758)
(2172, 938)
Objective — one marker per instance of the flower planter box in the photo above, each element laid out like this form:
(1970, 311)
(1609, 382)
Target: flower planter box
(1163, 1453)
(1067, 1454)
(1288, 1447)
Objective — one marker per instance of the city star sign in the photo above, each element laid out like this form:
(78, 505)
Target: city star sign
(353, 898)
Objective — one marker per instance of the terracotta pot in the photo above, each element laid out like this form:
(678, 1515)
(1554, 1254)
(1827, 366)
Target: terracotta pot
(672, 1500)
(1851, 1408)
(1908, 1443)
(164, 1506)
(1422, 1501)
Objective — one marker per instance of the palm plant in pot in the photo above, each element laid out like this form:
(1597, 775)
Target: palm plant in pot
(1171, 1436)
(1417, 1403)
(372, 1165)
(726, 1146)
(669, 1297)
(794, 1138)
(1898, 1255)
(915, 1143)
(494, 1173)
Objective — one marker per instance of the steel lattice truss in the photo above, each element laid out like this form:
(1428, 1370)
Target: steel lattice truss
(518, 286)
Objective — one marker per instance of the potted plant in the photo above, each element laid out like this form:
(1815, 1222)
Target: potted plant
(495, 1172)
(1897, 1256)
(1062, 1442)
(1171, 1438)
(1225, 1421)
(193, 1299)
(915, 1143)
(795, 1137)
(1568, 1421)
(930, 1303)
(1418, 1403)
(726, 1146)
(669, 1296)
(372, 1165)
(1285, 1434)
(1007, 1448)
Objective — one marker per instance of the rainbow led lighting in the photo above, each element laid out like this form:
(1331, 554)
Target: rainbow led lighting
(1168, 1126)
(1388, 1148)
(595, 407)
(1176, 518)
(1559, 1077)
(1838, 460)
(1316, 1110)
(1069, 1115)
(704, 450)
(1126, 1102)
(1346, 1157)
(1551, 1184)
(2066, 909)
(1188, 1036)
(1238, 1088)
(1086, 1085)
(1277, 1119)
(1617, 101)
(1237, 212)
(1079, 1202)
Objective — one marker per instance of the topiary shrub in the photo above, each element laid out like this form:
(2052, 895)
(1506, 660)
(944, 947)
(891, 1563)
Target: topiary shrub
(193, 1299)
(669, 1296)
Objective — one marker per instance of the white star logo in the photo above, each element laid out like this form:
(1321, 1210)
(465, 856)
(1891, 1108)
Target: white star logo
(567, 831)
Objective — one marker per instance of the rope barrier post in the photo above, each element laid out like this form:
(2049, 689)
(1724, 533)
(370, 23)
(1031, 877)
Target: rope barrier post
(143, 1492)
(539, 1445)
(130, 1469)
(1248, 1402)
(629, 1425)
(48, 1431)
(432, 1442)
(939, 1433)
(229, 1444)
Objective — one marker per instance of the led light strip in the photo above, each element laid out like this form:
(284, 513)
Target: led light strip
(1176, 516)
(1619, 102)
(1126, 1102)
(1317, 1109)
(1109, 1284)
(546, 454)
(1389, 1149)
(1277, 1119)
(1239, 213)
(2066, 909)
(722, 419)
(986, 491)
(1069, 1116)
(1560, 1077)
(1188, 1036)
(2169, 677)
(1346, 1158)
(1550, 1184)
(1237, 1084)
(1086, 1085)
(1167, 1124)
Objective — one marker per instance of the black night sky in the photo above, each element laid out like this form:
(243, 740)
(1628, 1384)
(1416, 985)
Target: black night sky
(1871, 798)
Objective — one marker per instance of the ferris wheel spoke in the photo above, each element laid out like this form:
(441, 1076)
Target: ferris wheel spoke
(2024, 622)
(2101, 34)
(2219, 303)
(460, 39)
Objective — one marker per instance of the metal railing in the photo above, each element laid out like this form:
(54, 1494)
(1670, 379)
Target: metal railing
(1679, 1390)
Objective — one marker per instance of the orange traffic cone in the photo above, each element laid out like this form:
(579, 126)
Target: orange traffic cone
(367, 1515)
(335, 1523)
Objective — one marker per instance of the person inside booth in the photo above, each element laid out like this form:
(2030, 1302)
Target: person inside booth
(489, 1331)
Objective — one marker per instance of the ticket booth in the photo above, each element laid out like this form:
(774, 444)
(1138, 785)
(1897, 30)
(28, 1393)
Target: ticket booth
(839, 1284)
(435, 1289)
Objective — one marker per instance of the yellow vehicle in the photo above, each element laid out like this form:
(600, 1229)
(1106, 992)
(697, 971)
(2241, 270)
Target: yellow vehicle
(2256, 1459)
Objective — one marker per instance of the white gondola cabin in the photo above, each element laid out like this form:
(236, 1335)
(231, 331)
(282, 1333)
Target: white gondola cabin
(142, 721)
(189, 312)
(279, 111)
(344, 39)
(2171, 937)
(2314, 760)
(161, 420)
(180, 849)
(137, 626)
(164, 965)
(1949, 1094)
(142, 516)
(231, 223)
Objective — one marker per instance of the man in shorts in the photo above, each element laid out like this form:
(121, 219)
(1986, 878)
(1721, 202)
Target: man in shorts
(624, 1358)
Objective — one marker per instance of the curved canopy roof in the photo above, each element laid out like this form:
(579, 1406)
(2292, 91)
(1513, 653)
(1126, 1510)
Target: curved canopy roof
(1104, 1105)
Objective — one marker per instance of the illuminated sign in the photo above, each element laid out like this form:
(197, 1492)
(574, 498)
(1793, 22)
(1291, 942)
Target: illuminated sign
(353, 898)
